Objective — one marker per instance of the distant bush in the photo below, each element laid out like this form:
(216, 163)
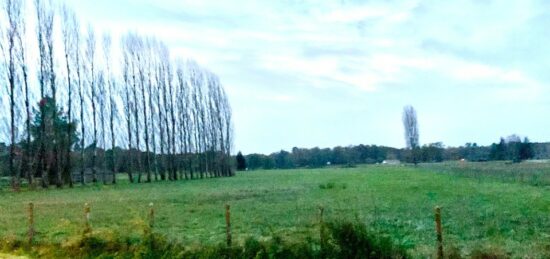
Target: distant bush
(331, 185)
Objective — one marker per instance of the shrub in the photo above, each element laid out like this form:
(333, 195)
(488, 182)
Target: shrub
(329, 185)
(354, 241)
(452, 252)
(488, 253)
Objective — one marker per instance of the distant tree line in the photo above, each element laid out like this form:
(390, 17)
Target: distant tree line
(511, 149)
(317, 157)
(79, 109)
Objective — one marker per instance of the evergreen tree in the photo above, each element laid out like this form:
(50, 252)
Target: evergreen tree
(526, 150)
(498, 151)
(241, 162)
(48, 120)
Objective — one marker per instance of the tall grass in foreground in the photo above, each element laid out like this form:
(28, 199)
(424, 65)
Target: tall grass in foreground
(341, 240)
(338, 239)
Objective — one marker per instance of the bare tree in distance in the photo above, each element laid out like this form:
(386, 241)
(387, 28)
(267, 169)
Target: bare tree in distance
(13, 12)
(28, 157)
(142, 66)
(112, 105)
(149, 60)
(181, 132)
(162, 105)
(102, 101)
(172, 111)
(44, 29)
(70, 43)
(133, 46)
(82, 99)
(49, 38)
(92, 83)
(410, 123)
(127, 74)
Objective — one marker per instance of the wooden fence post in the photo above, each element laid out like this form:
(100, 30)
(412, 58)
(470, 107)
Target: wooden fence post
(439, 232)
(87, 227)
(321, 226)
(149, 230)
(31, 223)
(228, 225)
(151, 216)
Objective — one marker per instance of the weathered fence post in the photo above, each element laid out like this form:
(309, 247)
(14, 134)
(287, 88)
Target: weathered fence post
(149, 230)
(321, 226)
(439, 232)
(228, 224)
(151, 216)
(87, 228)
(31, 223)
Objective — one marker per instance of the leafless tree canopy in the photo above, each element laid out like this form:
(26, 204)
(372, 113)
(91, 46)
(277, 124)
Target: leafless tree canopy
(12, 49)
(81, 117)
(410, 123)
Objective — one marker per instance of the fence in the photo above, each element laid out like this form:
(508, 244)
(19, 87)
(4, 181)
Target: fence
(87, 226)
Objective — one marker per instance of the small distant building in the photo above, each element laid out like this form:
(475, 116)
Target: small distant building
(391, 162)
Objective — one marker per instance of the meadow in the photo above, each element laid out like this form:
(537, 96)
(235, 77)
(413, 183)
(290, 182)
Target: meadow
(480, 210)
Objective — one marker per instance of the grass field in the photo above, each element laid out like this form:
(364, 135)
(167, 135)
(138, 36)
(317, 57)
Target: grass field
(533, 172)
(483, 211)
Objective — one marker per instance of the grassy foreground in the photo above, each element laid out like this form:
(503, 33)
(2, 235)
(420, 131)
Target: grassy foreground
(507, 217)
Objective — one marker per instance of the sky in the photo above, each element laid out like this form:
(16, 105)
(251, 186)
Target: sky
(304, 73)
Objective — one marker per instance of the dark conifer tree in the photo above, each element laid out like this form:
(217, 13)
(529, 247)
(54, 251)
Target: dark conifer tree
(241, 162)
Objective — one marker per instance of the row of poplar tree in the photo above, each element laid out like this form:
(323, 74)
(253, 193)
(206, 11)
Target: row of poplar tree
(80, 109)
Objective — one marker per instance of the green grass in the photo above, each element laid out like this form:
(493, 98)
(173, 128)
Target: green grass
(399, 201)
(535, 172)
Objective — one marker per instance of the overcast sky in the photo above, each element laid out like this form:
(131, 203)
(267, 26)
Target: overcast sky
(334, 72)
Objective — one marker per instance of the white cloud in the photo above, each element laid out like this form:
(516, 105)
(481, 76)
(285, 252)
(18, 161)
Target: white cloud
(358, 50)
(511, 84)
(355, 14)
